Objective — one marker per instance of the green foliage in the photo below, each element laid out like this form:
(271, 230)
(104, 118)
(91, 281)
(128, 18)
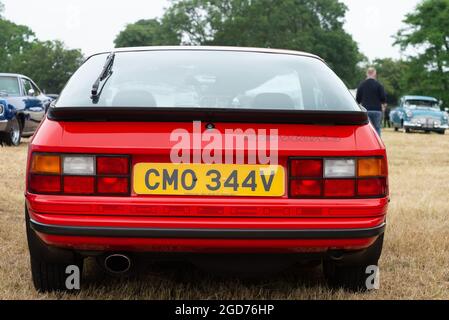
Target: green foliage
(427, 31)
(49, 64)
(145, 33)
(312, 26)
(392, 75)
(14, 39)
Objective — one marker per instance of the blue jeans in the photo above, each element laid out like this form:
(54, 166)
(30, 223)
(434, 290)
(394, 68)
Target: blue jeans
(375, 117)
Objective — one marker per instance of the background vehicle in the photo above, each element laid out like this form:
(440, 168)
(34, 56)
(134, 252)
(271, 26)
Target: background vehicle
(419, 113)
(102, 180)
(23, 106)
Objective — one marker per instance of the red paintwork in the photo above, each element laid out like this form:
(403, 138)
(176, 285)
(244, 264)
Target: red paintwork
(150, 142)
(205, 246)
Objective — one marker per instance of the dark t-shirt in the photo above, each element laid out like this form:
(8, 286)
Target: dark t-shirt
(371, 95)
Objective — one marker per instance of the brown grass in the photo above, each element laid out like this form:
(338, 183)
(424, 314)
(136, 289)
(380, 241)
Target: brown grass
(415, 262)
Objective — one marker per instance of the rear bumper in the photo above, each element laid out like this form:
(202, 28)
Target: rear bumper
(207, 235)
(421, 127)
(206, 225)
(241, 234)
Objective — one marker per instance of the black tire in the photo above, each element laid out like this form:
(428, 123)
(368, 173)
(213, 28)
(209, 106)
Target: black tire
(49, 277)
(14, 135)
(442, 132)
(353, 276)
(396, 129)
(48, 265)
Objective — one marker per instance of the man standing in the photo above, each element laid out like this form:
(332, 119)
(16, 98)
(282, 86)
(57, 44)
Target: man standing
(371, 95)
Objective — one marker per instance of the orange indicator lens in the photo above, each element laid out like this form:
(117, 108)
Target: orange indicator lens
(46, 164)
(371, 167)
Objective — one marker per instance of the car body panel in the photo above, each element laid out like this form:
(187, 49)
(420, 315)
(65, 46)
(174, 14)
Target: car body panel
(154, 138)
(150, 142)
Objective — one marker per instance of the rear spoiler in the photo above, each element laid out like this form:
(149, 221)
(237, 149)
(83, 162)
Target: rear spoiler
(118, 114)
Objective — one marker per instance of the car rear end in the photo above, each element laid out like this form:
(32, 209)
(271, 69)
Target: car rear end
(194, 157)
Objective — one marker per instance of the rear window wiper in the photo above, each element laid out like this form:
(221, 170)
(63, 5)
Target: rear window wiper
(103, 78)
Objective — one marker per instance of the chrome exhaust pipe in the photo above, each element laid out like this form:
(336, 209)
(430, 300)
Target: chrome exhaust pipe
(117, 263)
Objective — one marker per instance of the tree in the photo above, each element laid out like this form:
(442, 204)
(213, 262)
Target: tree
(313, 26)
(48, 63)
(14, 39)
(392, 75)
(427, 31)
(146, 33)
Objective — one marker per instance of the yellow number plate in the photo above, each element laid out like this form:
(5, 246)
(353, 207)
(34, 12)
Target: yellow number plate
(209, 180)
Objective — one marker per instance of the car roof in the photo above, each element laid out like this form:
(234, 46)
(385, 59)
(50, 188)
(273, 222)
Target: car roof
(13, 75)
(212, 48)
(425, 98)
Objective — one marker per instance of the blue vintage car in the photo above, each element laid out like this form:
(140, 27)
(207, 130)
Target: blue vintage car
(419, 113)
(22, 107)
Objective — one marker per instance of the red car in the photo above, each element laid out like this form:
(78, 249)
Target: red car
(210, 154)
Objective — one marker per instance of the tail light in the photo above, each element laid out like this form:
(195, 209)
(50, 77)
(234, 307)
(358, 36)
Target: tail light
(87, 175)
(338, 178)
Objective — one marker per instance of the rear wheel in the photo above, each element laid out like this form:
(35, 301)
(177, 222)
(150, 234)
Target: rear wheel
(14, 135)
(442, 132)
(48, 277)
(49, 266)
(354, 275)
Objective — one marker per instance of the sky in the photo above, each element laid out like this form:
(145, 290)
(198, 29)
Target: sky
(92, 25)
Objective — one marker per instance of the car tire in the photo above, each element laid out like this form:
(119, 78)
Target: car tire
(14, 135)
(353, 276)
(442, 132)
(49, 265)
(396, 129)
(48, 277)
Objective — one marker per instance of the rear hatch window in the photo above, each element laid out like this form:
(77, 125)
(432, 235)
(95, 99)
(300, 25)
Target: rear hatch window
(203, 79)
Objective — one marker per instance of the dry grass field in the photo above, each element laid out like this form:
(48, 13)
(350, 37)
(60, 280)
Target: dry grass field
(415, 262)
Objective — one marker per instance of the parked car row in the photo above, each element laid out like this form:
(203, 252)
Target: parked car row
(22, 107)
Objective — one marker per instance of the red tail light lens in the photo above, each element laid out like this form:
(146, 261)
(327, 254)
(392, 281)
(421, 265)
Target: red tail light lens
(307, 168)
(79, 185)
(339, 188)
(112, 165)
(337, 178)
(74, 174)
(306, 188)
(107, 185)
(45, 184)
(372, 187)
